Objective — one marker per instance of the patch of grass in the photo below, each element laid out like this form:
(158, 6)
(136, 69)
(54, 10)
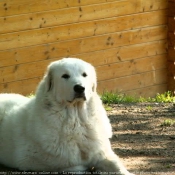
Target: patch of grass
(115, 98)
(107, 108)
(168, 166)
(166, 97)
(168, 122)
(149, 108)
(31, 95)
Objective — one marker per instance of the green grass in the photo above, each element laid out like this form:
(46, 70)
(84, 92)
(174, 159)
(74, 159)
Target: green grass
(107, 108)
(166, 97)
(31, 95)
(115, 98)
(168, 122)
(149, 108)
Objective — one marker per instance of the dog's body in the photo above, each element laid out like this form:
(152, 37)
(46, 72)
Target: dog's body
(63, 128)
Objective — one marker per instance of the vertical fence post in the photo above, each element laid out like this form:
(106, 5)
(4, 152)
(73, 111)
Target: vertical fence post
(171, 46)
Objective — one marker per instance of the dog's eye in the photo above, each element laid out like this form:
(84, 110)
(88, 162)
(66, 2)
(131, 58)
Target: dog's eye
(84, 74)
(66, 76)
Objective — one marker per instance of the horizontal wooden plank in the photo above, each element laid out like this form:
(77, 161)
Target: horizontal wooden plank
(171, 24)
(137, 82)
(78, 14)
(24, 87)
(37, 69)
(81, 30)
(171, 54)
(94, 43)
(24, 71)
(127, 68)
(97, 58)
(39, 21)
(9, 8)
(149, 91)
(125, 53)
(134, 81)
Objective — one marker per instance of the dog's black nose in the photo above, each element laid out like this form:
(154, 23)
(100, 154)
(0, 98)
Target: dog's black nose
(79, 89)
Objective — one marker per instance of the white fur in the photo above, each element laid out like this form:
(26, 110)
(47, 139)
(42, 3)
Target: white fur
(54, 131)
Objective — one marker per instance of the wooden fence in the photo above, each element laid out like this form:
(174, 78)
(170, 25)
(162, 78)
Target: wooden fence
(171, 46)
(125, 40)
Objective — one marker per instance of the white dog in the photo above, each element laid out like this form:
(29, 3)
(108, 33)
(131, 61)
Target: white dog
(63, 128)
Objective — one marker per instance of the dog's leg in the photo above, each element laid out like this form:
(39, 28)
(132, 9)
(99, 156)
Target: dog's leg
(112, 165)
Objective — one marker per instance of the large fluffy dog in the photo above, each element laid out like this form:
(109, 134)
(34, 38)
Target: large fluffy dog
(63, 128)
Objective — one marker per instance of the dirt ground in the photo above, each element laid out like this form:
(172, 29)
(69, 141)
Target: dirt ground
(141, 138)
(145, 143)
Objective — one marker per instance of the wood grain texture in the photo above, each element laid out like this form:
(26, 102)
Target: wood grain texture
(129, 68)
(126, 41)
(91, 43)
(171, 24)
(133, 85)
(60, 20)
(171, 68)
(17, 7)
(106, 56)
(171, 76)
(171, 54)
(149, 91)
(171, 46)
(105, 72)
(171, 7)
(171, 39)
(137, 81)
(125, 53)
(24, 87)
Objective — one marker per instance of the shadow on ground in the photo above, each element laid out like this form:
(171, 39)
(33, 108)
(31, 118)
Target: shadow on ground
(141, 137)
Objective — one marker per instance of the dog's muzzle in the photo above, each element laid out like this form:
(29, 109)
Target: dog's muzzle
(79, 92)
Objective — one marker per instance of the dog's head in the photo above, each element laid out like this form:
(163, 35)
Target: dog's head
(70, 80)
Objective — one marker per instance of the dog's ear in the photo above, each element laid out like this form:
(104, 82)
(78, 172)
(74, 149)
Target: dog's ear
(49, 80)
